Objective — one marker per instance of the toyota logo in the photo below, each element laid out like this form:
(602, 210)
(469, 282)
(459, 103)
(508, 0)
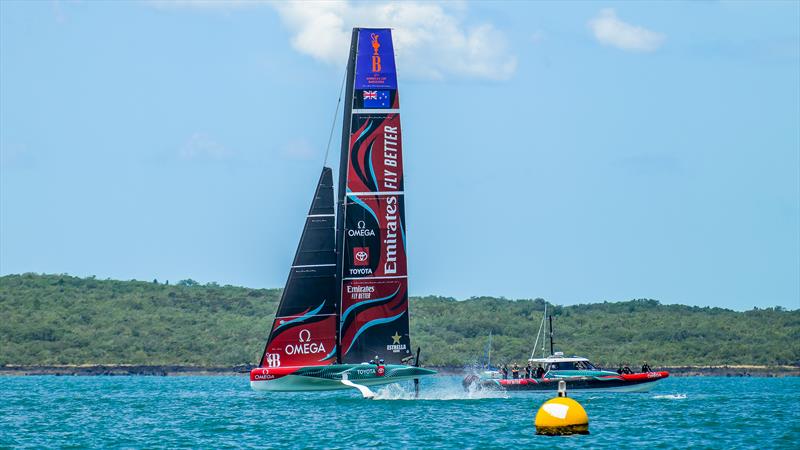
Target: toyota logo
(361, 256)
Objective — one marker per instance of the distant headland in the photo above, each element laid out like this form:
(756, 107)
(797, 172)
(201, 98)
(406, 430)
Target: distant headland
(60, 324)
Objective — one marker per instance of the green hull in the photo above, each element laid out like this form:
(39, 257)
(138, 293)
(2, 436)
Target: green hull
(325, 378)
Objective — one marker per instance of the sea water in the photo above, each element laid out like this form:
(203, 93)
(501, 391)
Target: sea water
(214, 412)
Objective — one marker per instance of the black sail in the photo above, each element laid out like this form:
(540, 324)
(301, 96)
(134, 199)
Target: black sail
(304, 330)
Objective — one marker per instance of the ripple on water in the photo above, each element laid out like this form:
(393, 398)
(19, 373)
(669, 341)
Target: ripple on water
(106, 412)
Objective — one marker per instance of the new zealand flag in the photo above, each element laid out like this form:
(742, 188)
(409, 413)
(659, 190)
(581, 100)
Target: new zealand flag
(376, 99)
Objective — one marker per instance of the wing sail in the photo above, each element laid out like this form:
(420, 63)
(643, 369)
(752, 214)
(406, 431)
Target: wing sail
(374, 290)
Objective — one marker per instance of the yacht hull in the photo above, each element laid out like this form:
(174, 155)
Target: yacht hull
(328, 378)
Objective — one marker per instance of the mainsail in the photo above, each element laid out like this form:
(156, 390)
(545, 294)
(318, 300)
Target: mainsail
(370, 227)
(346, 299)
(304, 330)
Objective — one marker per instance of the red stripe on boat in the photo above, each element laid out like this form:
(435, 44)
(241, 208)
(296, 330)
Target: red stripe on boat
(270, 373)
(644, 376)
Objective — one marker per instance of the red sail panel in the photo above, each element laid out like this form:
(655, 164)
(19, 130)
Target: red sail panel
(374, 306)
(375, 237)
(375, 319)
(376, 159)
(302, 342)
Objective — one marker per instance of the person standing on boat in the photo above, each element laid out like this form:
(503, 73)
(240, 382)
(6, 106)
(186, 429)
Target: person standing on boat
(505, 372)
(539, 371)
(515, 371)
(646, 368)
(528, 370)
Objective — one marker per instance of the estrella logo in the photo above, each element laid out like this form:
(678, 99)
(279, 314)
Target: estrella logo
(376, 58)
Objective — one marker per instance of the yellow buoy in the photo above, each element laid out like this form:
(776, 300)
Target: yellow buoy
(561, 415)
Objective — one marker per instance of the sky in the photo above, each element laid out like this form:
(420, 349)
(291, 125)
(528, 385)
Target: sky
(574, 151)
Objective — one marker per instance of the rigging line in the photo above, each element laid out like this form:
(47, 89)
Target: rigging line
(335, 114)
(536, 344)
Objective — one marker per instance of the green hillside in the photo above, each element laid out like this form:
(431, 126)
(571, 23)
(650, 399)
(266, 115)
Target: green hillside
(59, 319)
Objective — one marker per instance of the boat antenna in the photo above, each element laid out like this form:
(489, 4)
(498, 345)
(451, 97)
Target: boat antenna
(335, 115)
(551, 335)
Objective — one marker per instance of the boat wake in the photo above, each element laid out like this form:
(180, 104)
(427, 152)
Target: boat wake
(440, 392)
(670, 397)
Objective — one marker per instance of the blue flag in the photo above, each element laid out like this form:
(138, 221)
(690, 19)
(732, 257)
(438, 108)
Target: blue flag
(376, 99)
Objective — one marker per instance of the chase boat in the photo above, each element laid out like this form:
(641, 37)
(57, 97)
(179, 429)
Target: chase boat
(576, 371)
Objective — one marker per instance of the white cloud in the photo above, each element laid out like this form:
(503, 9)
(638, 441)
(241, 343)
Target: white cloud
(608, 29)
(202, 146)
(429, 42)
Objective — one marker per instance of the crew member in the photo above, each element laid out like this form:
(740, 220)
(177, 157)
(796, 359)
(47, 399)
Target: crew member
(515, 371)
(528, 370)
(505, 372)
(539, 371)
(646, 368)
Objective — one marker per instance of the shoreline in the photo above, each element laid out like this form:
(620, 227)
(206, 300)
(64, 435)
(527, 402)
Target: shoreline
(244, 369)
(121, 370)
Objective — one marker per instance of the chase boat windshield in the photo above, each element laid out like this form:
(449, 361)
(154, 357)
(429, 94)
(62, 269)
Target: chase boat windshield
(561, 362)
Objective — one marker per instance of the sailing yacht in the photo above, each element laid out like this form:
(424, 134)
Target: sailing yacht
(342, 321)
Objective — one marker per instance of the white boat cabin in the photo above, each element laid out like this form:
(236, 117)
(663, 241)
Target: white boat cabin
(558, 361)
